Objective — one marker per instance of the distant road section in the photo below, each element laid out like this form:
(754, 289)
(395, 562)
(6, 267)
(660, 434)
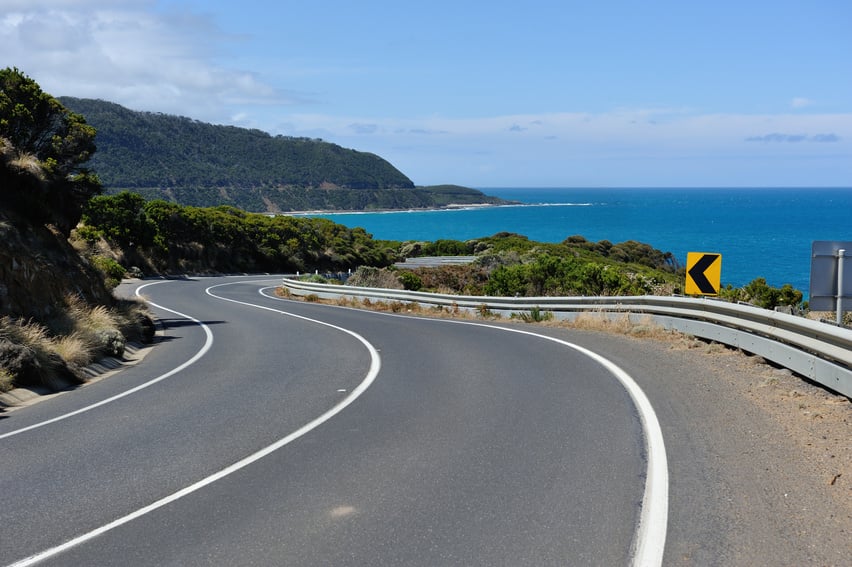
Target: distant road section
(435, 261)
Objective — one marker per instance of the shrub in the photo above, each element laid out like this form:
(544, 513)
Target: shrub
(368, 276)
(50, 146)
(759, 293)
(410, 281)
(6, 379)
(535, 315)
(113, 271)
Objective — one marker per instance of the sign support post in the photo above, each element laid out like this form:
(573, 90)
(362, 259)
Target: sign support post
(841, 254)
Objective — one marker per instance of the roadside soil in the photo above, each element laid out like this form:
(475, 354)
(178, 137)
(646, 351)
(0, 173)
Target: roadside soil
(791, 443)
(817, 420)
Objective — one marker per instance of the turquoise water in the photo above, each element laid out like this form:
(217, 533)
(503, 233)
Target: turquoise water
(759, 232)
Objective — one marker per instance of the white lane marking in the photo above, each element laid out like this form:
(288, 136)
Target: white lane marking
(375, 366)
(207, 344)
(649, 541)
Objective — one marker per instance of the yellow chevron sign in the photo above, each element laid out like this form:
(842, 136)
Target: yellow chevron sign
(703, 273)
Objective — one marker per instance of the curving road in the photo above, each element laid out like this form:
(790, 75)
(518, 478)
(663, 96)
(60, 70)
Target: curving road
(267, 432)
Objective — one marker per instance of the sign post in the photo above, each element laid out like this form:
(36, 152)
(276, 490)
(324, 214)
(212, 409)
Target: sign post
(840, 255)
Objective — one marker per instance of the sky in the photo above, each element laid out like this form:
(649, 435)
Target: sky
(491, 93)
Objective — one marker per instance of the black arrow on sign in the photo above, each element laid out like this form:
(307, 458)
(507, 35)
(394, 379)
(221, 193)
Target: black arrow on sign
(696, 272)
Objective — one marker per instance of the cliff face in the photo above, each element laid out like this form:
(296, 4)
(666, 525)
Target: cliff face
(39, 268)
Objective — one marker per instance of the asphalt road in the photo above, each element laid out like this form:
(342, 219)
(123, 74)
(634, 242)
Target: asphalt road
(301, 434)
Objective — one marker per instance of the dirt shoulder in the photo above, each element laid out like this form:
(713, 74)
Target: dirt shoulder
(816, 420)
(767, 456)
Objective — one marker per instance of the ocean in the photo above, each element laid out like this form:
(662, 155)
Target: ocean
(759, 232)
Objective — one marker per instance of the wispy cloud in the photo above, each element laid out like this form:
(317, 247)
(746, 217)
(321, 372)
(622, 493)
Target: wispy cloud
(793, 138)
(825, 138)
(800, 102)
(360, 128)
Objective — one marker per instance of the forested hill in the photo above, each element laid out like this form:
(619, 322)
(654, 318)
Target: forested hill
(193, 163)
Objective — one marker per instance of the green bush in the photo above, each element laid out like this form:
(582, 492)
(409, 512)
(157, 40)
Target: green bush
(535, 315)
(113, 271)
(759, 293)
(226, 239)
(410, 281)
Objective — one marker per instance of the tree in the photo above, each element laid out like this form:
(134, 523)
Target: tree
(45, 148)
(121, 218)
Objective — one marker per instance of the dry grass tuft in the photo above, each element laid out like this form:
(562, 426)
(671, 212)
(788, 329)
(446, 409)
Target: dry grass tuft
(76, 349)
(72, 340)
(622, 324)
(98, 318)
(28, 163)
(28, 333)
(37, 340)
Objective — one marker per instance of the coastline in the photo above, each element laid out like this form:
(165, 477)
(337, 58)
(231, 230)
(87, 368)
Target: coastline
(449, 207)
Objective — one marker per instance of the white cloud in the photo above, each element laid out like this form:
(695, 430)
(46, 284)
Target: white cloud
(623, 147)
(800, 102)
(129, 53)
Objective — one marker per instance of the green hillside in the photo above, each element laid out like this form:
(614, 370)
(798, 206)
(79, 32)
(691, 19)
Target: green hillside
(194, 163)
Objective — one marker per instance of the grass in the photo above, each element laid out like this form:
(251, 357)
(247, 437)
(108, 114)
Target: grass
(535, 315)
(6, 380)
(75, 349)
(36, 338)
(76, 337)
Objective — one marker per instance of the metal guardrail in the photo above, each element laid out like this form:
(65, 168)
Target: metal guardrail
(819, 351)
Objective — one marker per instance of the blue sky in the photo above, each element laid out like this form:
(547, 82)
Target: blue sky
(484, 94)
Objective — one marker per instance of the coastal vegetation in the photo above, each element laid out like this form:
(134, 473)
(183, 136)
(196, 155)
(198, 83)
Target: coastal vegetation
(509, 264)
(163, 237)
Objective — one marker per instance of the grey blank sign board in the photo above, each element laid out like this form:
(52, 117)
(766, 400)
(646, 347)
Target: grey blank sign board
(824, 261)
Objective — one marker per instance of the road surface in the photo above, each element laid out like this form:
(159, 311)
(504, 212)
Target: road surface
(261, 431)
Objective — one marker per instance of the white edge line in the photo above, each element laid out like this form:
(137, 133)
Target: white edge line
(650, 537)
(649, 540)
(207, 344)
(375, 366)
